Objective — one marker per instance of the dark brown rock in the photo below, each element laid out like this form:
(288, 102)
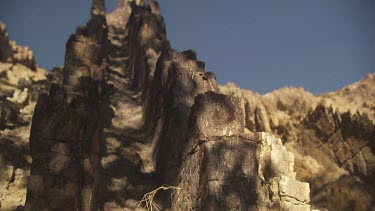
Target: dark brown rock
(64, 135)
(127, 113)
(222, 170)
(123, 117)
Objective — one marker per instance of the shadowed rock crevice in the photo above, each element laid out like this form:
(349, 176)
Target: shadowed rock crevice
(121, 124)
(127, 113)
(65, 132)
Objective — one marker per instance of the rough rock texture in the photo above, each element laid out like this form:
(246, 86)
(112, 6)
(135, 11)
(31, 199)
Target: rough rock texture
(120, 125)
(21, 81)
(10, 52)
(332, 137)
(127, 114)
(225, 169)
(64, 138)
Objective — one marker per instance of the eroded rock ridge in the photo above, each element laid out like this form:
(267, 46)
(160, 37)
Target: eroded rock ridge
(128, 114)
(133, 114)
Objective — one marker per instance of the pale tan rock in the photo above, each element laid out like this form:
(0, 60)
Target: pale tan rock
(19, 97)
(21, 81)
(356, 97)
(10, 52)
(330, 135)
(276, 169)
(5, 177)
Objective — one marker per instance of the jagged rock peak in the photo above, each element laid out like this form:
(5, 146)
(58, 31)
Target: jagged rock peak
(98, 7)
(356, 97)
(119, 17)
(10, 52)
(132, 114)
(129, 117)
(21, 81)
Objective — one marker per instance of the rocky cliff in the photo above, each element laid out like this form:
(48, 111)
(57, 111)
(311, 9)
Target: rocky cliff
(21, 81)
(130, 123)
(332, 137)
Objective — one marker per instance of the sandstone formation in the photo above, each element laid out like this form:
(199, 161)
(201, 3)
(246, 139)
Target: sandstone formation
(128, 116)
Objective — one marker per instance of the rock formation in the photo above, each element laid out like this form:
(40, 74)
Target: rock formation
(21, 81)
(10, 52)
(128, 115)
(332, 137)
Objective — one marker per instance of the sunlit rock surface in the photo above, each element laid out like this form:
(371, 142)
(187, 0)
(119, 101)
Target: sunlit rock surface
(128, 114)
(332, 137)
(21, 81)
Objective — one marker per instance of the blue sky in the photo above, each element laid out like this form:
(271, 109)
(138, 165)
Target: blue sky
(260, 45)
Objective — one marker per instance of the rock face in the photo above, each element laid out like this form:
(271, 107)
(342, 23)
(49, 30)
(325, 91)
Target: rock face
(21, 81)
(127, 115)
(332, 137)
(225, 169)
(130, 116)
